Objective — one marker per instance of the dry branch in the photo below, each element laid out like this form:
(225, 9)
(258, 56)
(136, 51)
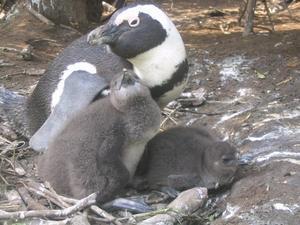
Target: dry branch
(269, 14)
(249, 17)
(169, 116)
(29, 201)
(4, 140)
(80, 205)
(70, 28)
(52, 192)
(40, 190)
(108, 7)
(10, 206)
(29, 72)
(64, 202)
(105, 215)
(39, 16)
(8, 49)
(249, 12)
(5, 64)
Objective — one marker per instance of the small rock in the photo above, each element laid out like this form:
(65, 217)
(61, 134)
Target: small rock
(215, 13)
(194, 98)
(260, 75)
(291, 173)
(3, 63)
(19, 169)
(190, 200)
(293, 62)
(278, 44)
(26, 53)
(13, 196)
(35, 72)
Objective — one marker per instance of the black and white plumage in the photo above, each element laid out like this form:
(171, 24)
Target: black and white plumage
(147, 38)
(141, 37)
(82, 87)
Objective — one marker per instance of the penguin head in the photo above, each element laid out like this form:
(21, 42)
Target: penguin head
(221, 161)
(145, 36)
(133, 30)
(126, 90)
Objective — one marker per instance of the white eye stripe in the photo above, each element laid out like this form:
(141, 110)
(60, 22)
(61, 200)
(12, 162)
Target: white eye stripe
(151, 10)
(134, 22)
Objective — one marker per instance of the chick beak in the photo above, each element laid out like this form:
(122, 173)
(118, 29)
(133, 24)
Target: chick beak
(106, 34)
(217, 185)
(127, 78)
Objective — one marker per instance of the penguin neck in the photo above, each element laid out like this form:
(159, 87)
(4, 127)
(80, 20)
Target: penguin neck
(157, 65)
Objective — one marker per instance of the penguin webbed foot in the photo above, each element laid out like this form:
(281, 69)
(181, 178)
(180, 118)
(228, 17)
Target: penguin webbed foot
(141, 204)
(135, 205)
(170, 191)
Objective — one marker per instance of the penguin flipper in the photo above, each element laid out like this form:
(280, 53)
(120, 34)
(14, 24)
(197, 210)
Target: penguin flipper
(79, 90)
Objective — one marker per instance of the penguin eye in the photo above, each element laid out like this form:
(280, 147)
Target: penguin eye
(134, 22)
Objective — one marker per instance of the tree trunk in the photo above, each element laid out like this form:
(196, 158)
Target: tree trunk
(249, 17)
(75, 13)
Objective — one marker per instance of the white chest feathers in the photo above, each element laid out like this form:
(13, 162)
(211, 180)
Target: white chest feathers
(157, 65)
(132, 154)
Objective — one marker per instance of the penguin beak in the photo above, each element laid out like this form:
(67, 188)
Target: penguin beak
(106, 34)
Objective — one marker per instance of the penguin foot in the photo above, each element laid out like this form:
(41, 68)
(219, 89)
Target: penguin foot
(134, 206)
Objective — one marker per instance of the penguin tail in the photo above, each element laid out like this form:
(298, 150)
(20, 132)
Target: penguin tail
(12, 110)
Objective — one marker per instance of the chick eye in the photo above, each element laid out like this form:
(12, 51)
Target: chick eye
(134, 22)
(227, 160)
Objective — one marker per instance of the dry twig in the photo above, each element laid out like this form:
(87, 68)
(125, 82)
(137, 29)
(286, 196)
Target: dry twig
(80, 205)
(52, 192)
(64, 202)
(29, 72)
(39, 16)
(5, 140)
(8, 49)
(169, 116)
(105, 215)
(5, 64)
(70, 28)
(29, 201)
(269, 14)
(41, 190)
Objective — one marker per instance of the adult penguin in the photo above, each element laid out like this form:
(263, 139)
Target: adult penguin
(139, 36)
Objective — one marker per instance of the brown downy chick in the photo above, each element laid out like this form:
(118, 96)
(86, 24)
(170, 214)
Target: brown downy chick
(99, 149)
(185, 157)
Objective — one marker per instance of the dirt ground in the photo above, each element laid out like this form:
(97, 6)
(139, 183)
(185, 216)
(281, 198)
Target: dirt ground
(251, 87)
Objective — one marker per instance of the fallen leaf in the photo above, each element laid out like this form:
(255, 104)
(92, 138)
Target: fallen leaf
(260, 75)
(293, 62)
